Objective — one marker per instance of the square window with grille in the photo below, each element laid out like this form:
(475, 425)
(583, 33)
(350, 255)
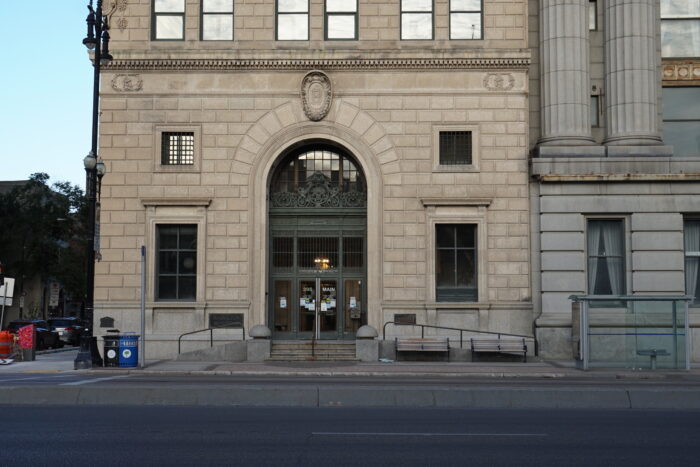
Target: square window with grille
(455, 147)
(177, 148)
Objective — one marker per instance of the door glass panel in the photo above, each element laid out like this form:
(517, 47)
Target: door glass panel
(307, 305)
(328, 306)
(352, 303)
(283, 305)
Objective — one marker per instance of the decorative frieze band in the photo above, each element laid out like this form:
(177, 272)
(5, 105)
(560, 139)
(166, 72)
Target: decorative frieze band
(349, 64)
(681, 73)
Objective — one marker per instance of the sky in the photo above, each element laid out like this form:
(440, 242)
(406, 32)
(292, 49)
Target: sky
(45, 89)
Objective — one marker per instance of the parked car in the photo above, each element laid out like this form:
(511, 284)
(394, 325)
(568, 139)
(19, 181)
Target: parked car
(68, 328)
(45, 337)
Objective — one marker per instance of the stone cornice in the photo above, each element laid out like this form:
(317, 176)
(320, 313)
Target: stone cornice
(456, 201)
(324, 64)
(176, 201)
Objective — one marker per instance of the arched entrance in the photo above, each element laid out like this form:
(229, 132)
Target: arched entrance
(317, 243)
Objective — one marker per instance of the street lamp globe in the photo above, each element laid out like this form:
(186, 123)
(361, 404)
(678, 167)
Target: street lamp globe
(90, 161)
(101, 168)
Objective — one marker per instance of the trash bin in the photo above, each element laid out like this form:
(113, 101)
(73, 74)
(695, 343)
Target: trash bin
(111, 349)
(129, 349)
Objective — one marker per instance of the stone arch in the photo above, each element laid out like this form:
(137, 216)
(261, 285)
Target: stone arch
(269, 139)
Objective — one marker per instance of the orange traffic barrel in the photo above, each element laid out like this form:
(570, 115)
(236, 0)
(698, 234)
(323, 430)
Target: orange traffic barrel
(6, 341)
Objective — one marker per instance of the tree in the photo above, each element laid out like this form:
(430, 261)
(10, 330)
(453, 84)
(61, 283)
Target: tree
(43, 231)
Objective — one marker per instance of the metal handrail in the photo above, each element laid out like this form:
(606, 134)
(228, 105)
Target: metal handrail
(461, 331)
(211, 335)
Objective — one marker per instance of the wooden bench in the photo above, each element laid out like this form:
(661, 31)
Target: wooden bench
(423, 344)
(499, 345)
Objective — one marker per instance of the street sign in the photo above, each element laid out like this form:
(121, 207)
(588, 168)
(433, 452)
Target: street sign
(54, 293)
(7, 290)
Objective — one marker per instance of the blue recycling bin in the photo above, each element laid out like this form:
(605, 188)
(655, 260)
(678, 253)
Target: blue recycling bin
(128, 350)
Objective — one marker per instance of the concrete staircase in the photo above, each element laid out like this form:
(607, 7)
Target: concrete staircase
(321, 351)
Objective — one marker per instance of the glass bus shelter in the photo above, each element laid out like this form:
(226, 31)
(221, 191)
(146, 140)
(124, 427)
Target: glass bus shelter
(636, 332)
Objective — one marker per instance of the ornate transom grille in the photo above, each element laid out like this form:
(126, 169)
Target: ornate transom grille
(318, 178)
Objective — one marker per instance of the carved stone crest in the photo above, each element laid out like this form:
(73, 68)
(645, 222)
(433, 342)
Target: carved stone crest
(499, 81)
(127, 83)
(316, 95)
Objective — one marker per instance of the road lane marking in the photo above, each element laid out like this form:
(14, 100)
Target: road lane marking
(332, 433)
(94, 380)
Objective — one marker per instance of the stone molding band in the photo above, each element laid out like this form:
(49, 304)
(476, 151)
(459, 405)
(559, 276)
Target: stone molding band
(359, 64)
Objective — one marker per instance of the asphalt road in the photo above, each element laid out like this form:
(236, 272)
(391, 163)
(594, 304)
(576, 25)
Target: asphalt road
(206, 436)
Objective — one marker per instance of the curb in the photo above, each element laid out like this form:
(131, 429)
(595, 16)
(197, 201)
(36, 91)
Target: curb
(319, 396)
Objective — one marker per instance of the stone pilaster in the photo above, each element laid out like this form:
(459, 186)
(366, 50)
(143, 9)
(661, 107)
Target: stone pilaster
(631, 73)
(565, 78)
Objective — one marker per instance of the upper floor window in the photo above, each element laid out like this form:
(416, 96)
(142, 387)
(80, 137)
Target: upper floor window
(341, 19)
(592, 15)
(177, 148)
(681, 112)
(606, 257)
(465, 19)
(455, 147)
(292, 20)
(680, 28)
(217, 20)
(416, 19)
(168, 20)
(691, 241)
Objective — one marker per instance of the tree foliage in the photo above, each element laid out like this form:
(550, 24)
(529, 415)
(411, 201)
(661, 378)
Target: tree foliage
(43, 232)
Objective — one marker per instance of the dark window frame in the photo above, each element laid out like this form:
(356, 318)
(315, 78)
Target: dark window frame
(597, 257)
(154, 15)
(468, 294)
(181, 159)
(432, 21)
(354, 14)
(442, 155)
(177, 275)
(308, 22)
(481, 29)
(690, 255)
(202, 14)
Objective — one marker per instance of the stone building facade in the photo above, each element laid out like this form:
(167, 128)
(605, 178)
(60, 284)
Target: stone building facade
(611, 156)
(283, 158)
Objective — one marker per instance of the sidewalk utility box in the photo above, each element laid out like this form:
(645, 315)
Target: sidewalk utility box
(129, 350)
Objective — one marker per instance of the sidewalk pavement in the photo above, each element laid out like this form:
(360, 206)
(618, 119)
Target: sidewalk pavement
(62, 362)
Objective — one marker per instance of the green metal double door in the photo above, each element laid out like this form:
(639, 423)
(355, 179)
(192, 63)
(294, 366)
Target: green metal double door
(317, 286)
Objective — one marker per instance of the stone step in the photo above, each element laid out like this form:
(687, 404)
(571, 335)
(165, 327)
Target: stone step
(322, 351)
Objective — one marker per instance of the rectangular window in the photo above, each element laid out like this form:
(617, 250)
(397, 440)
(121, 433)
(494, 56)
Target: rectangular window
(292, 20)
(341, 19)
(691, 244)
(592, 15)
(416, 19)
(177, 148)
(595, 109)
(681, 113)
(606, 257)
(217, 20)
(176, 263)
(680, 28)
(168, 20)
(455, 147)
(455, 268)
(465, 19)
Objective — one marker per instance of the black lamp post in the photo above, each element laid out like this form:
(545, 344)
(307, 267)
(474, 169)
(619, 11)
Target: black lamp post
(97, 39)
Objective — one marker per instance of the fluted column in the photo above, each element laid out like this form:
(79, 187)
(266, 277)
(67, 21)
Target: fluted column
(564, 75)
(631, 73)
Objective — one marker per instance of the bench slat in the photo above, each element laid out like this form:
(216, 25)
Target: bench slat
(424, 344)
